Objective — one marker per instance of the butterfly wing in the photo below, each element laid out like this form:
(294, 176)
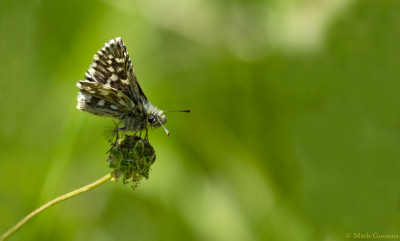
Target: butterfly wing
(100, 99)
(112, 67)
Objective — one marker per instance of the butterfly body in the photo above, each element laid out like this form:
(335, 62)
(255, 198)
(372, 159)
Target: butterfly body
(111, 89)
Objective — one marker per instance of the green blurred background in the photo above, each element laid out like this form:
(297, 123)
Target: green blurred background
(294, 132)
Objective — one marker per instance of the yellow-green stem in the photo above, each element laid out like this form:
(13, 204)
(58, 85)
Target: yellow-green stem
(55, 201)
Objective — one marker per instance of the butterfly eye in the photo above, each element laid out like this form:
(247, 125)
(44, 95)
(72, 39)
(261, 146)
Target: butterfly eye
(151, 119)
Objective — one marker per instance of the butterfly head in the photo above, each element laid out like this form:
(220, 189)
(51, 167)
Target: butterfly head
(156, 118)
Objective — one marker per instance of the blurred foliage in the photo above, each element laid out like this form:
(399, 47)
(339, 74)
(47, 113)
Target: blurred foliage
(293, 134)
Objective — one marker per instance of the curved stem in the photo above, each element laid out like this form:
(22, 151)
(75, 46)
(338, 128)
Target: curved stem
(55, 201)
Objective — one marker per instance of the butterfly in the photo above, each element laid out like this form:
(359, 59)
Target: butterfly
(111, 89)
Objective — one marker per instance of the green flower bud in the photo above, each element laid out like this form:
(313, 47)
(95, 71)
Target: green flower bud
(131, 158)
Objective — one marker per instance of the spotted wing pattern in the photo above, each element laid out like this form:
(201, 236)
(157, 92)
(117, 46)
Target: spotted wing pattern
(103, 100)
(110, 87)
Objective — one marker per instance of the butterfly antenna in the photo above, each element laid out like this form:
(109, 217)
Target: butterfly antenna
(164, 127)
(187, 111)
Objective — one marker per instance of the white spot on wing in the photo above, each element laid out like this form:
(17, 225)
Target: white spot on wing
(101, 102)
(114, 77)
(96, 57)
(122, 102)
(104, 91)
(81, 97)
(84, 97)
(111, 69)
(114, 107)
(109, 61)
(81, 102)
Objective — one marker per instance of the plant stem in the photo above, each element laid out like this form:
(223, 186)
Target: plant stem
(55, 201)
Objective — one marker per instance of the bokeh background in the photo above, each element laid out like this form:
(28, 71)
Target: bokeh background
(294, 132)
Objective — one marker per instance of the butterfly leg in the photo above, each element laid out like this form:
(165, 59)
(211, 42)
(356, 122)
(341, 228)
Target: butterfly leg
(116, 140)
(116, 133)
